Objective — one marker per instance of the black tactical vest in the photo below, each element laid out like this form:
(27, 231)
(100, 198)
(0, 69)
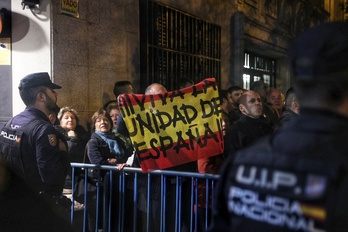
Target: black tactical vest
(10, 145)
(269, 191)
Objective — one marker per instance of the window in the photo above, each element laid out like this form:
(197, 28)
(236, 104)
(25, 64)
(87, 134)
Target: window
(258, 68)
(175, 44)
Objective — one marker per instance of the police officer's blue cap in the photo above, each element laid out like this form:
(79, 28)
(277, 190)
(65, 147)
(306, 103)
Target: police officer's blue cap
(37, 79)
(321, 53)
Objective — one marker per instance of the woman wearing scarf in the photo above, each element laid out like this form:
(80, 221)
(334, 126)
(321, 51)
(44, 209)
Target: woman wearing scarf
(104, 148)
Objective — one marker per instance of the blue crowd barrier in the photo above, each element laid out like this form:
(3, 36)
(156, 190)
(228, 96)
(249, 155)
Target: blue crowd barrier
(129, 200)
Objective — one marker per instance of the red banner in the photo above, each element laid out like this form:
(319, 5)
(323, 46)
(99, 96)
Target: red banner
(176, 127)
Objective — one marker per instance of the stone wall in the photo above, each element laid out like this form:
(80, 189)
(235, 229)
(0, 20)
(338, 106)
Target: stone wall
(92, 52)
(100, 47)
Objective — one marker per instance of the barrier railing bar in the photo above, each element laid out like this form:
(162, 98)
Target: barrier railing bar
(156, 172)
(135, 200)
(152, 185)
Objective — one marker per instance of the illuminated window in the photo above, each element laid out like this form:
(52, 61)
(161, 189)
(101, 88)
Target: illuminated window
(258, 68)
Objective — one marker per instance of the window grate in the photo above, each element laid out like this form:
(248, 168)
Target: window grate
(175, 44)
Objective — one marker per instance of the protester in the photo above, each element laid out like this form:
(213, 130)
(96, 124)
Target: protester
(184, 82)
(179, 205)
(211, 165)
(104, 148)
(143, 190)
(226, 106)
(269, 113)
(297, 179)
(77, 136)
(275, 99)
(292, 108)
(113, 110)
(250, 127)
(122, 87)
(236, 92)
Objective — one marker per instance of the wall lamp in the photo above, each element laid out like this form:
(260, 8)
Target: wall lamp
(30, 4)
(5, 23)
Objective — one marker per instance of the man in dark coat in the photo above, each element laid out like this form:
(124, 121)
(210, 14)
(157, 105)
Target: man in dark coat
(249, 127)
(292, 108)
(297, 180)
(236, 92)
(269, 113)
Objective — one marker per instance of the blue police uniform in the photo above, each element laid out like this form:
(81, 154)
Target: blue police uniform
(35, 157)
(305, 146)
(42, 164)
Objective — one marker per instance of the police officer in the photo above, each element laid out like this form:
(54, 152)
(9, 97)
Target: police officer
(297, 180)
(31, 147)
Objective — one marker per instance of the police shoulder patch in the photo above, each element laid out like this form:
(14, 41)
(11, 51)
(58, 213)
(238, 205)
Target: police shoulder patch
(52, 138)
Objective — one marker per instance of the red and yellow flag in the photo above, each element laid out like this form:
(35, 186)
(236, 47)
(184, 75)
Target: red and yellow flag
(176, 127)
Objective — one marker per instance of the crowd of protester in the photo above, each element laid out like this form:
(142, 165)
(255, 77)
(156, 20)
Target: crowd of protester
(243, 121)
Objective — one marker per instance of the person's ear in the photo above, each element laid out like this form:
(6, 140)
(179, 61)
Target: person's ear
(241, 108)
(294, 105)
(40, 96)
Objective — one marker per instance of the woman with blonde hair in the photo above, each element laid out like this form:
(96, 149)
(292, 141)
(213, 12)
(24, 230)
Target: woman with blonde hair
(77, 136)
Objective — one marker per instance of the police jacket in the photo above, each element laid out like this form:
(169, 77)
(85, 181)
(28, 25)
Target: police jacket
(303, 185)
(39, 161)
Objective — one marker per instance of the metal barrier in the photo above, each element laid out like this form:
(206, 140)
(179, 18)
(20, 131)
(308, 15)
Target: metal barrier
(129, 200)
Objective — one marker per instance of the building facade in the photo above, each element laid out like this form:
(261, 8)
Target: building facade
(88, 47)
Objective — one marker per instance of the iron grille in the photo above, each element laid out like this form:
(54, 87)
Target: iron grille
(175, 44)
